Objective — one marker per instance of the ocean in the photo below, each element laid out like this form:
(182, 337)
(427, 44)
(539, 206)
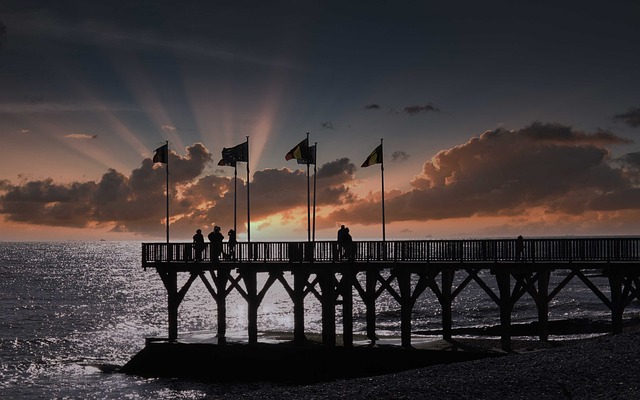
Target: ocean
(71, 310)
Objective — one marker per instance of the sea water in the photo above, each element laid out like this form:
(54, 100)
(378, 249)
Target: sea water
(69, 311)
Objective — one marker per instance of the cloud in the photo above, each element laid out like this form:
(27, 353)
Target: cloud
(551, 169)
(399, 156)
(372, 106)
(501, 173)
(168, 128)
(133, 203)
(416, 109)
(631, 117)
(559, 134)
(631, 159)
(80, 136)
(136, 202)
(327, 125)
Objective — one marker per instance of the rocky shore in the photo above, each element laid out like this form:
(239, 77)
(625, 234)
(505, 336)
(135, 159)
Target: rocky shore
(604, 367)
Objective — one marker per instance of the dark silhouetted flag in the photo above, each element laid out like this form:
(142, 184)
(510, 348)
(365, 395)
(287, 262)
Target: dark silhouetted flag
(311, 156)
(162, 154)
(300, 152)
(234, 154)
(374, 158)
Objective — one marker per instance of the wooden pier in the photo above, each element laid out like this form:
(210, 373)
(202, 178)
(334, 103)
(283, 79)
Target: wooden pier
(403, 269)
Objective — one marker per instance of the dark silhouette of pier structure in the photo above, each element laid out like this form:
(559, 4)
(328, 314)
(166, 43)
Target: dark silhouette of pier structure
(405, 269)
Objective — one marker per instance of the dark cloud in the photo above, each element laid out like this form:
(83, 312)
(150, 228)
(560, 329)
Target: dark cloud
(558, 133)
(546, 166)
(327, 125)
(631, 117)
(631, 159)
(339, 171)
(133, 203)
(136, 203)
(46, 203)
(372, 106)
(399, 156)
(416, 109)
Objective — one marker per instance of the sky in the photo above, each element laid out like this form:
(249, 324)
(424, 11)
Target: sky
(498, 118)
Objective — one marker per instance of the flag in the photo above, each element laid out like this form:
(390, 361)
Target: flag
(162, 154)
(311, 156)
(301, 151)
(374, 158)
(234, 154)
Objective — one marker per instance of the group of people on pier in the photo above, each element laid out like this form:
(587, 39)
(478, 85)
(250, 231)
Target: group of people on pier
(345, 244)
(215, 237)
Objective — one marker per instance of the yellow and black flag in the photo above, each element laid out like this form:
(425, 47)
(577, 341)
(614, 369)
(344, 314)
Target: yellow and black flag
(300, 152)
(374, 158)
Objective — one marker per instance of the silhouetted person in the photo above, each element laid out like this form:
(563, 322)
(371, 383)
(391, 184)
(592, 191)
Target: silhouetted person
(232, 244)
(198, 244)
(216, 238)
(519, 248)
(348, 244)
(341, 233)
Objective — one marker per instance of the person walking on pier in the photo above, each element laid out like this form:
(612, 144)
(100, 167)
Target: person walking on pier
(216, 238)
(232, 244)
(198, 244)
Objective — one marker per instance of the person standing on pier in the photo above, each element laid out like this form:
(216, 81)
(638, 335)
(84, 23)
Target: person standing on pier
(198, 244)
(519, 248)
(216, 238)
(347, 243)
(232, 244)
(341, 233)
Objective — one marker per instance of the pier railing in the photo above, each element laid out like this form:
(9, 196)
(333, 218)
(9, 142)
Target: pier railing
(473, 250)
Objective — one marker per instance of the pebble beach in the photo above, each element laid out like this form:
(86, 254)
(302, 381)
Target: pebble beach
(604, 367)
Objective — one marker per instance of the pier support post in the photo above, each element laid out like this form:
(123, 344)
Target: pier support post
(370, 302)
(221, 302)
(171, 284)
(404, 284)
(447, 283)
(617, 306)
(299, 283)
(504, 286)
(543, 304)
(251, 283)
(327, 285)
(347, 307)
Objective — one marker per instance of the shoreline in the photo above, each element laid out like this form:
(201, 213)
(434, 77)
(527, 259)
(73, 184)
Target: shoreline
(603, 367)
(279, 361)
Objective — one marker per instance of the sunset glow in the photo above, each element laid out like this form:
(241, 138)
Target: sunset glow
(496, 121)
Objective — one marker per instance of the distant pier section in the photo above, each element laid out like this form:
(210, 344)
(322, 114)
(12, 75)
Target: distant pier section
(404, 269)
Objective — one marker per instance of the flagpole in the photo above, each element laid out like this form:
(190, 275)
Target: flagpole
(308, 194)
(235, 194)
(382, 175)
(167, 185)
(315, 173)
(248, 198)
